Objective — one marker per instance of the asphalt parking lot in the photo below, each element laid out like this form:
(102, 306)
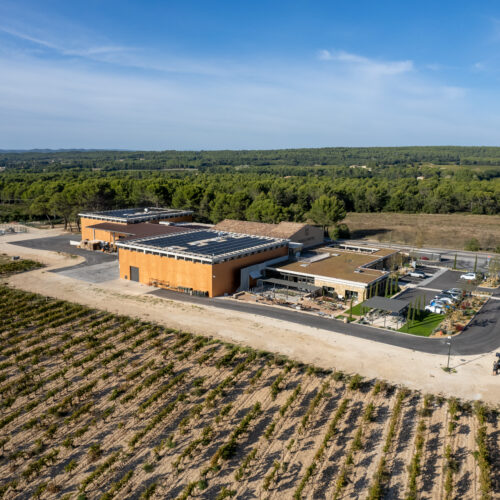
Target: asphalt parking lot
(410, 280)
(427, 291)
(97, 268)
(449, 279)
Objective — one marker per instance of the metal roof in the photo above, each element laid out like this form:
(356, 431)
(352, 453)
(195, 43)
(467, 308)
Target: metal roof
(385, 304)
(139, 230)
(203, 245)
(134, 215)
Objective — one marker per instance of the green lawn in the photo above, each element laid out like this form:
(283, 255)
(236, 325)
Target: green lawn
(356, 310)
(424, 327)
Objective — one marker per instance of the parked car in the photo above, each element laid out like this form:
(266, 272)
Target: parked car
(468, 276)
(417, 274)
(458, 291)
(440, 303)
(455, 296)
(435, 309)
(445, 299)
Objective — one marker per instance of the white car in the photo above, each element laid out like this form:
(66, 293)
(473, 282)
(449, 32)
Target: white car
(435, 309)
(417, 274)
(468, 276)
(444, 298)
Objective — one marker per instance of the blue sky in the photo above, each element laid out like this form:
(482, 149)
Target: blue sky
(240, 75)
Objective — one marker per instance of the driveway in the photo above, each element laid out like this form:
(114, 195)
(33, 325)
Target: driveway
(483, 335)
(98, 267)
(484, 338)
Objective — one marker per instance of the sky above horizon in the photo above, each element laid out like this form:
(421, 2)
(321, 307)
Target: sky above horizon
(157, 75)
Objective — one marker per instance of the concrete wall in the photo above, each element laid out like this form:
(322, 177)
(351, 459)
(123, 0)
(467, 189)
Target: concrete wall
(215, 279)
(341, 289)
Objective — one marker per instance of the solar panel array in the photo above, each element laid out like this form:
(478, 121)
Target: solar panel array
(207, 243)
(204, 243)
(135, 214)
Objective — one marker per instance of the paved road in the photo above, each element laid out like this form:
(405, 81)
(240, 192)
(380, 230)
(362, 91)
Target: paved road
(483, 335)
(61, 244)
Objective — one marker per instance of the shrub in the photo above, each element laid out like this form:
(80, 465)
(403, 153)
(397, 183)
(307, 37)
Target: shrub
(148, 467)
(70, 466)
(340, 231)
(225, 493)
(472, 245)
(149, 492)
(94, 452)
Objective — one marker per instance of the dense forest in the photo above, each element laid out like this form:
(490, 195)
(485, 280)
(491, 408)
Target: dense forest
(119, 160)
(268, 186)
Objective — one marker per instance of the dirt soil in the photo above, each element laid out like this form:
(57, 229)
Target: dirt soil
(429, 230)
(472, 379)
(98, 404)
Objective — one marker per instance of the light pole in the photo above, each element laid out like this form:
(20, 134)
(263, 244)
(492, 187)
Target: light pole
(449, 352)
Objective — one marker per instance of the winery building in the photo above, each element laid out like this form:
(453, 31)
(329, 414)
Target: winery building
(348, 272)
(200, 262)
(112, 225)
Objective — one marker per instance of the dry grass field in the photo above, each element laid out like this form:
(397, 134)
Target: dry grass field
(427, 230)
(96, 405)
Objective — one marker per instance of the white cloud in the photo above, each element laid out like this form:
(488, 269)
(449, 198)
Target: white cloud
(86, 91)
(373, 66)
(71, 104)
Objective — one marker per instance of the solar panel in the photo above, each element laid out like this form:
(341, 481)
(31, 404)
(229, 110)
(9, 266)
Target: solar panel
(136, 214)
(205, 243)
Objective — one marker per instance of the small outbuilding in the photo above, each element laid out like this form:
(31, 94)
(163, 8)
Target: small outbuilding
(296, 232)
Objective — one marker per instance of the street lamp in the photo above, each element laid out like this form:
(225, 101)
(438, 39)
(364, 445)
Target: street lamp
(449, 352)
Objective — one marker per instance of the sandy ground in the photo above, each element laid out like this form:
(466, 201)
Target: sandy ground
(420, 371)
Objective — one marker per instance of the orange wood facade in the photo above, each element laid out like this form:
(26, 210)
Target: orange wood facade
(112, 236)
(215, 279)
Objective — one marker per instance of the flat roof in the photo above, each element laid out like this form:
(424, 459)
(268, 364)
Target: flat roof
(140, 229)
(207, 246)
(135, 215)
(333, 263)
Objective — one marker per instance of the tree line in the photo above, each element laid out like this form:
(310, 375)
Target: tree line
(265, 197)
(149, 160)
